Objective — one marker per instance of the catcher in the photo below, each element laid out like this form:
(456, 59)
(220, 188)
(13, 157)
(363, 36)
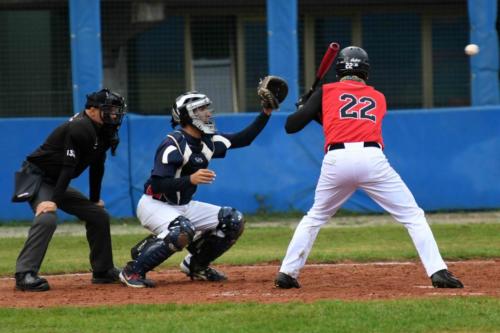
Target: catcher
(180, 165)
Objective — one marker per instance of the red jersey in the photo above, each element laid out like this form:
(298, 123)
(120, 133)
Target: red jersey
(352, 112)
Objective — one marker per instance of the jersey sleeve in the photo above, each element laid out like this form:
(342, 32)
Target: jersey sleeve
(243, 138)
(168, 159)
(221, 145)
(73, 136)
(311, 110)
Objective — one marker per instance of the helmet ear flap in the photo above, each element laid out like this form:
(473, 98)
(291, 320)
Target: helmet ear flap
(180, 115)
(174, 120)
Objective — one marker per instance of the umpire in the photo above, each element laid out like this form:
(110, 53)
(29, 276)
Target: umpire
(43, 181)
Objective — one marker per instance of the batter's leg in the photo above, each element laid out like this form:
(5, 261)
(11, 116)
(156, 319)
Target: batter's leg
(388, 190)
(332, 190)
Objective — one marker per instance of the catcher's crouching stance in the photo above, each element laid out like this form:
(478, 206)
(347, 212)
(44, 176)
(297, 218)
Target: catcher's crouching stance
(180, 165)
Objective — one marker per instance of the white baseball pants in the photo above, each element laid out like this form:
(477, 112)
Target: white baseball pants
(345, 170)
(156, 215)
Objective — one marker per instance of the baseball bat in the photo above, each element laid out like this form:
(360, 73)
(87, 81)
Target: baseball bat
(327, 61)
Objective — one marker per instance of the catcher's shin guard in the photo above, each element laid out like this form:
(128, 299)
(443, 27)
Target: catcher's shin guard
(156, 250)
(212, 245)
(137, 248)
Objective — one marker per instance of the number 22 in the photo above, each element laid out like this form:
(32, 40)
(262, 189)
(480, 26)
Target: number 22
(347, 112)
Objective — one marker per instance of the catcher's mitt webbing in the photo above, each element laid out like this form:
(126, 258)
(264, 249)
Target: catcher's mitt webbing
(272, 90)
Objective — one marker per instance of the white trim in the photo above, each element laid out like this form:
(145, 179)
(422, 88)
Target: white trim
(224, 140)
(166, 152)
(206, 151)
(178, 175)
(187, 154)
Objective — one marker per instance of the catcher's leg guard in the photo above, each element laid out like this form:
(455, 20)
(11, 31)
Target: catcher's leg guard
(212, 245)
(155, 251)
(137, 248)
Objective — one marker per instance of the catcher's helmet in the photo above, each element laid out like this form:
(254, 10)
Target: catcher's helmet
(111, 105)
(352, 60)
(185, 111)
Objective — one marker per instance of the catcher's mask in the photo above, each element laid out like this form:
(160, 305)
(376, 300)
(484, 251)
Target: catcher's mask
(111, 105)
(192, 108)
(352, 60)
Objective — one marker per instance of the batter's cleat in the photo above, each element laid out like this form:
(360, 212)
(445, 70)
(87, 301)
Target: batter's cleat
(285, 281)
(205, 274)
(135, 280)
(30, 281)
(444, 279)
(109, 276)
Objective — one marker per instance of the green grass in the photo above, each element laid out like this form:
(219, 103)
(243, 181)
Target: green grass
(460, 314)
(269, 244)
(262, 215)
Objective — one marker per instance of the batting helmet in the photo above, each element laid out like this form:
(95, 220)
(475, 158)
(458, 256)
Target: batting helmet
(353, 60)
(111, 105)
(185, 111)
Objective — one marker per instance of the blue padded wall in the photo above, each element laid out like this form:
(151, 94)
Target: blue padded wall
(448, 158)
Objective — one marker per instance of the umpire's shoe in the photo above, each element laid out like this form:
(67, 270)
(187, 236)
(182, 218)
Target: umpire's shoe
(109, 276)
(204, 274)
(444, 279)
(285, 281)
(134, 280)
(30, 281)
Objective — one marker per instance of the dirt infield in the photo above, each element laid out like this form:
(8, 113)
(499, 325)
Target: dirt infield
(255, 283)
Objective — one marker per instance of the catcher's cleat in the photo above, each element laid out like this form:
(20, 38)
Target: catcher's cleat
(30, 281)
(109, 276)
(445, 279)
(135, 280)
(205, 274)
(285, 281)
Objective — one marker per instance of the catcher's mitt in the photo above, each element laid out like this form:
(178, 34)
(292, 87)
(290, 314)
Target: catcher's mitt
(272, 90)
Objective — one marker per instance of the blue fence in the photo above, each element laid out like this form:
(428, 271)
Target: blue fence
(449, 158)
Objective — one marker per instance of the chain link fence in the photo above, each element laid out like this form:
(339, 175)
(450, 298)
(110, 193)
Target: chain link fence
(35, 59)
(155, 50)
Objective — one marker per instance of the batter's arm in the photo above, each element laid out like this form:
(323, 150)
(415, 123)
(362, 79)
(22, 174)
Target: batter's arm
(304, 115)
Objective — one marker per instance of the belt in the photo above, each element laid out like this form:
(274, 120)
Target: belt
(341, 145)
(162, 198)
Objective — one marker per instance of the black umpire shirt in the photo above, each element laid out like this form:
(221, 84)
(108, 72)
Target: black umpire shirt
(68, 151)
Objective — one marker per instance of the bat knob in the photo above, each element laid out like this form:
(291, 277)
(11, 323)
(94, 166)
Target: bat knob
(335, 46)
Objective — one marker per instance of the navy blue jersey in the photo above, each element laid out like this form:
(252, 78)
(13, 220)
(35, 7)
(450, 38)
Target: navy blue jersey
(180, 155)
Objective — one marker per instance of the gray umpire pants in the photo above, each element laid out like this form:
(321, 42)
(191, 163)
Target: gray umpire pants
(75, 203)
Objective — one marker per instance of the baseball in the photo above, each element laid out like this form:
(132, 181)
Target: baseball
(471, 49)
